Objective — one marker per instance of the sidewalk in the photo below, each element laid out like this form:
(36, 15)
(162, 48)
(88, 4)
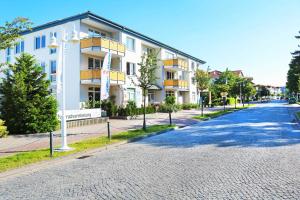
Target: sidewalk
(22, 143)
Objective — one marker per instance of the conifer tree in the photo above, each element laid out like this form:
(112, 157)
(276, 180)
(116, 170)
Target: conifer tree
(27, 105)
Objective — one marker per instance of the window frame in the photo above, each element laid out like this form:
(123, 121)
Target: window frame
(130, 92)
(134, 45)
(130, 69)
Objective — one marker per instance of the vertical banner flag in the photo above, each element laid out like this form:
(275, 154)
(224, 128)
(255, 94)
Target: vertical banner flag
(105, 80)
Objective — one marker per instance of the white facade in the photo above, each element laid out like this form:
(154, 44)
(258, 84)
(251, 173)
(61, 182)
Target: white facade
(83, 62)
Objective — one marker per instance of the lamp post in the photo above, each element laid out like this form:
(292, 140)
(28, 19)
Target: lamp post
(241, 94)
(53, 44)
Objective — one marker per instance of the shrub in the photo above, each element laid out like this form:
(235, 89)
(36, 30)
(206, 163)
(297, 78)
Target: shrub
(189, 106)
(217, 102)
(230, 101)
(3, 129)
(131, 109)
(107, 106)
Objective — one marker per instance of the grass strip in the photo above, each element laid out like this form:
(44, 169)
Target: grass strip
(219, 113)
(298, 115)
(29, 157)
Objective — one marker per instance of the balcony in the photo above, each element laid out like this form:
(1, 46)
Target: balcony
(176, 64)
(98, 46)
(176, 84)
(93, 76)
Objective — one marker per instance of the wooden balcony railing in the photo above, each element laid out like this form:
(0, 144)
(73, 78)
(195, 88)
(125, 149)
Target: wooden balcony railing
(96, 74)
(176, 83)
(102, 42)
(177, 63)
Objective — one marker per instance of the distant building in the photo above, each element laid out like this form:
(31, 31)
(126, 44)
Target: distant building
(274, 90)
(216, 74)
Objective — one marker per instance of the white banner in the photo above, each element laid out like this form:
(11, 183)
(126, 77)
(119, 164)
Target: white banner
(105, 80)
(81, 114)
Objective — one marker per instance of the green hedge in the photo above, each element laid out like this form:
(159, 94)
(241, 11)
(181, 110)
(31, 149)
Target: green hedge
(230, 101)
(3, 129)
(189, 106)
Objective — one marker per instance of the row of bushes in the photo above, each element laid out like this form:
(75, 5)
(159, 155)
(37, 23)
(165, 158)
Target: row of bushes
(229, 101)
(112, 110)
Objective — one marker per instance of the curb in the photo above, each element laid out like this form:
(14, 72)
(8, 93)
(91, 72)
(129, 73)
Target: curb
(31, 168)
(151, 135)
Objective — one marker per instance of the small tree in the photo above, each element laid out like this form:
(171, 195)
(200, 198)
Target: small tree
(147, 78)
(264, 92)
(171, 107)
(249, 90)
(235, 88)
(10, 31)
(202, 79)
(27, 105)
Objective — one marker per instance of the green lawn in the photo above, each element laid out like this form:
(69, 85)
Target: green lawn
(21, 159)
(220, 112)
(298, 114)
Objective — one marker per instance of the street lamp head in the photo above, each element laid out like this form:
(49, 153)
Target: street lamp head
(74, 36)
(53, 42)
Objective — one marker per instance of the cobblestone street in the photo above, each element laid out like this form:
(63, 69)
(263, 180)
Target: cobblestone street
(250, 154)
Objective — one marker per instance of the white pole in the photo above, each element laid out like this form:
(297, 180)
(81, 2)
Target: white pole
(64, 144)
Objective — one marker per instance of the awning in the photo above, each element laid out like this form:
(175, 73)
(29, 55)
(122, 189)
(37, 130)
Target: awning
(154, 87)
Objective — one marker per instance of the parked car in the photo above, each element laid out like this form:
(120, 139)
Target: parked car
(292, 100)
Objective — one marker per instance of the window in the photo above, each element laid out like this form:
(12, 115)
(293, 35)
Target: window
(193, 66)
(90, 63)
(130, 68)
(130, 44)
(147, 50)
(43, 41)
(40, 42)
(94, 94)
(19, 47)
(151, 96)
(53, 70)
(53, 50)
(95, 63)
(53, 66)
(194, 96)
(169, 55)
(169, 93)
(170, 75)
(8, 53)
(37, 42)
(193, 80)
(131, 94)
(94, 33)
(43, 65)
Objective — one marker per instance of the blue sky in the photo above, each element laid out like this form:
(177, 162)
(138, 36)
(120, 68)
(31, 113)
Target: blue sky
(256, 36)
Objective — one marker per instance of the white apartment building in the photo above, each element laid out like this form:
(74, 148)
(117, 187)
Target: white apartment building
(83, 61)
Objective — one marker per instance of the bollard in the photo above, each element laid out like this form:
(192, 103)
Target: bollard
(108, 131)
(51, 144)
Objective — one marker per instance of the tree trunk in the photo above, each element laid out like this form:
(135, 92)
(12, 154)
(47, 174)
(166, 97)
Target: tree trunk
(144, 111)
(170, 118)
(202, 107)
(199, 99)
(235, 102)
(243, 101)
